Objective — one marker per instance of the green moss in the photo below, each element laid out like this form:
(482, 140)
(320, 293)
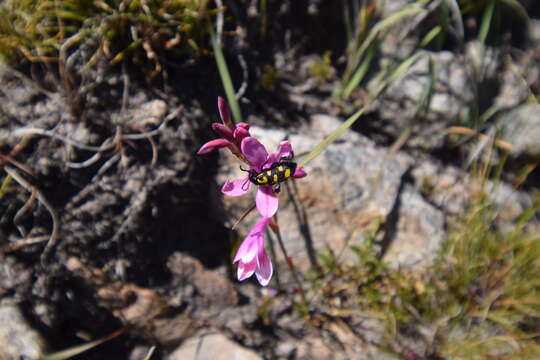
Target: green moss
(37, 30)
(269, 77)
(322, 69)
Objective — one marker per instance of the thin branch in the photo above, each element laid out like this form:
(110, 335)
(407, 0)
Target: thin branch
(55, 222)
(290, 264)
(22, 243)
(243, 216)
(37, 131)
(22, 211)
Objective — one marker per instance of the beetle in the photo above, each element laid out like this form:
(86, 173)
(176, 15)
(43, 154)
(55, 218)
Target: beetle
(279, 172)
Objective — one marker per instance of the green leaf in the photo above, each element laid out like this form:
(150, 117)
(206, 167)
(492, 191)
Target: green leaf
(486, 22)
(360, 73)
(225, 78)
(332, 137)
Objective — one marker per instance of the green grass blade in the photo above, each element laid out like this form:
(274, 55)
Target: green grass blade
(150, 353)
(76, 350)
(410, 10)
(456, 14)
(225, 78)
(401, 69)
(486, 22)
(492, 110)
(333, 136)
(423, 103)
(7, 180)
(518, 8)
(430, 36)
(361, 72)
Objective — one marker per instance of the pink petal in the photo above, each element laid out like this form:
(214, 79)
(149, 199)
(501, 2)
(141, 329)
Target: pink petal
(243, 125)
(254, 151)
(236, 187)
(239, 134)
(299, 172)
(251, 244)
(248, 250)
(223, 131)
(267, 202)
(272, 158)
(245, 270)
(213, 145)
(251, 254)
(225, 113)
(285, 149)
(264, 268)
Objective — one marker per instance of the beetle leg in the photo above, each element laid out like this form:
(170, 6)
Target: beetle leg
(244, 185)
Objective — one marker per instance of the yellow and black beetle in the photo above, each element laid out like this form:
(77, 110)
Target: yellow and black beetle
(274, 175)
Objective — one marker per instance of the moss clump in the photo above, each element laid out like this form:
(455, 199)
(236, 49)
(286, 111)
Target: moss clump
(45, 30)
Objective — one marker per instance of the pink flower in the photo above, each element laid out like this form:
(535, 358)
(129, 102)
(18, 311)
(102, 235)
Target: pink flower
(231, 135)
(251, 256)
(259, 159)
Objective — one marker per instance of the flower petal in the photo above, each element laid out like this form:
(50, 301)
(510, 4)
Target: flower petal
(249, 254)
(243, 125)
(239, 134)
(245, 270)
(284, 151)
(254, 151)
(213, 145)
(267, 201)
(236, 187)
(224, 112)
(248, 250)
(223, 131)
(264, 268)
(299, 173)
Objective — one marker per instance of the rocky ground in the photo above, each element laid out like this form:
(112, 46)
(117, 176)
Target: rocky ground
(112, 222)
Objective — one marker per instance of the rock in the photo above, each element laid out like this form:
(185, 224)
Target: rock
(521, 128)
(451, 93)
(316, 349)
(150, 113)
(213, 346)
(17, 338)
(349, 187)
(451, 190)
(418, 231)
(215, 288)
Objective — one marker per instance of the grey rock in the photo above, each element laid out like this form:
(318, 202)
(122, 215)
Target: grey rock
(214, 346)
(451, 91)
(316, 349)
(450, 95)
(521, 128)
(419, 231)
(451, 190)
(17, 338)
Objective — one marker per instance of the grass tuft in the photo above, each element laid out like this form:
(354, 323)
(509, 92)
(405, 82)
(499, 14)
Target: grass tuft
(37, 30)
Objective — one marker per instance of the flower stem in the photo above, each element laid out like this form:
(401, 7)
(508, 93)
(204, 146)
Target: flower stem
(290, 264)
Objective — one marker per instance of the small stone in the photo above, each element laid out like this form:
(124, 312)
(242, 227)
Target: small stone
(17, 338)
(213, 346)
(521, 128)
